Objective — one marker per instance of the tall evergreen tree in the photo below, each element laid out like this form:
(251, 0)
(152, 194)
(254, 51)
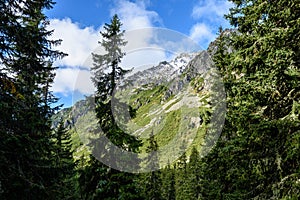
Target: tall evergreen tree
(193, 175)
(107, 72)
(181, 178)
(168, 183)
(25, 100)
(255, 157)
(152, 180)
(64, 163)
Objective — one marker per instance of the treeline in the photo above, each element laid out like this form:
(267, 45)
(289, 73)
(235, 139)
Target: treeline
(256, 157)
(181, 180)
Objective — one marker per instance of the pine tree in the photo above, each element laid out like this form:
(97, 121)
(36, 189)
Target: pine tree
(107, 72)
(25, 100)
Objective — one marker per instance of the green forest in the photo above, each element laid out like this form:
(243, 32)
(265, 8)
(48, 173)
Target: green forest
(257, 155)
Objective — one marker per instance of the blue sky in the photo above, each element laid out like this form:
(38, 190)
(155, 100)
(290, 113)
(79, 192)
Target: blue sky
(78, 22)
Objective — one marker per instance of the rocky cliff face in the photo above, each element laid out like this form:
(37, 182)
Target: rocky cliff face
(175, 74)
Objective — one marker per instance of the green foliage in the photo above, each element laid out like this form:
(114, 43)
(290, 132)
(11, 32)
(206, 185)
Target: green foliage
(198, 83)
(106, 82)
(145, 100)
(168, 183)
(181, 176)
(252, 158)
(109, 183)
(170, 129)
(152, 180)
(64, 163)
(26, 170)
(193, 171)
(256, 157)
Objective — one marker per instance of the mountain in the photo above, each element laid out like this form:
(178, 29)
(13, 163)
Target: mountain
(171, 99)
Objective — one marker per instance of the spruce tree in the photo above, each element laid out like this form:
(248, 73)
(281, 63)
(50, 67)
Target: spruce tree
(27, 170)
(255, 156)
(152, 180)
(107, 72)
(193, 175)
(214, 183)
(64, 163)
(181, 178)
(168, 183)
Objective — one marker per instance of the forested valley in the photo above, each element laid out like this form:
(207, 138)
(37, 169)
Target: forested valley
(257, 155)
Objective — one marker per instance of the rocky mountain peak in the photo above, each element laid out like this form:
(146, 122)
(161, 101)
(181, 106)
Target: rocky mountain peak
(163, 72)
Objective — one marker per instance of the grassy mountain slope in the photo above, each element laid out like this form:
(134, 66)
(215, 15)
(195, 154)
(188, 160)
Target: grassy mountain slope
(172, 109)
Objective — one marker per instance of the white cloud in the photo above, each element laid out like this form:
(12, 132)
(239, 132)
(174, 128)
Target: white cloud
(137, 21)
(212, 10)
(135, 15)
(77, 42)
(68, 80)
(80, 42)
(202, 34)
(143, 57)
(210, 13)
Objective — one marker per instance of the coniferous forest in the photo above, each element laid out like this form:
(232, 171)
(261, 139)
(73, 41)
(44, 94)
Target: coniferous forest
(257, 155)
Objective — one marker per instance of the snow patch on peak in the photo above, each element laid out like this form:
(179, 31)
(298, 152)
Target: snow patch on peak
(163, 72)
(181, 61)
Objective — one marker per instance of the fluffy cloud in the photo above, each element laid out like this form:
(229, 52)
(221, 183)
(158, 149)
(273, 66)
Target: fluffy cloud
(202, 34)
(78, 43)
(137, 21)
(68, 80)
(211, 14)
(135, 15)
(212, 10)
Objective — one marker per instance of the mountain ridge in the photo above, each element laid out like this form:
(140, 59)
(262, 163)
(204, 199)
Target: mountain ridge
(163, 73)
(159, 95)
